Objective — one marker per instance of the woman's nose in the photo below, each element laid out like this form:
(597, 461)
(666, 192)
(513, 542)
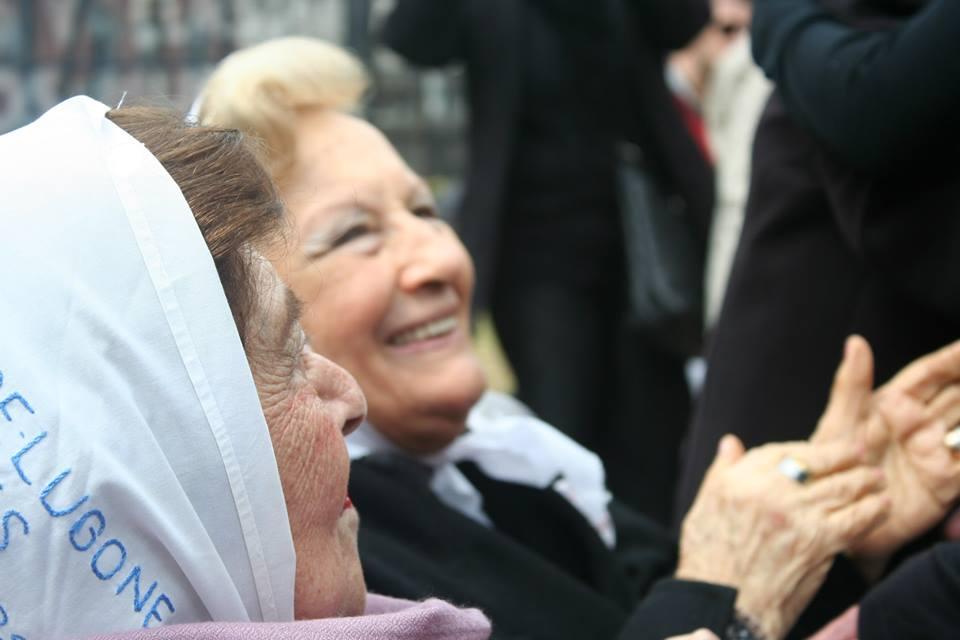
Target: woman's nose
(431, 255)
(338, 389)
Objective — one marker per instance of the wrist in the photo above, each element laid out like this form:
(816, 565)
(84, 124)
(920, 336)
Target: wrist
(743, 627)
(765, 619)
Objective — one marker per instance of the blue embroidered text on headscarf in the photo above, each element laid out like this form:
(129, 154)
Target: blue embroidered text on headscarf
(137, 481)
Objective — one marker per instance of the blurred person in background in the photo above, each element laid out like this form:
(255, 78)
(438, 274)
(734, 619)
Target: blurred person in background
(553, 87)
(715, 76)
(462, 493)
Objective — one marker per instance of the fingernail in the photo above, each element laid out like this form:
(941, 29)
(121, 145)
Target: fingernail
(848, 348)
(726, 445)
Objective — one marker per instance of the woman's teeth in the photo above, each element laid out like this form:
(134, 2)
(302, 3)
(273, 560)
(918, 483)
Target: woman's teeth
(425, 331)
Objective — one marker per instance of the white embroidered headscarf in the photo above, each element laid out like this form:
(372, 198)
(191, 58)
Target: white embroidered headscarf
(138, 485)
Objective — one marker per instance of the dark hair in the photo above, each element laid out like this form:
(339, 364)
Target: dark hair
(231, 195)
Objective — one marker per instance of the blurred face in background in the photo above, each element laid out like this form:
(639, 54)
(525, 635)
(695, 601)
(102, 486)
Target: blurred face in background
(695, 62)
(732, 16)
(385, 284)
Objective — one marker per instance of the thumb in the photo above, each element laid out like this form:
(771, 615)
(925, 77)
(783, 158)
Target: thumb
(729, 451)
(850, 393)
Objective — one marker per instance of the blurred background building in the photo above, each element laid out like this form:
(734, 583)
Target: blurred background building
(163, 50)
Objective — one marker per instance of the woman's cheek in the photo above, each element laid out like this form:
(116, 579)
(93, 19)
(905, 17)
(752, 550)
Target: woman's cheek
(332, 462)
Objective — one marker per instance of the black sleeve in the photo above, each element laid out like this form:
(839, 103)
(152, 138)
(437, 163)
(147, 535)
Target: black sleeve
(674, 607)
(920, 600)
(872, 96)
(426, 32)
(670, 24)
(645, 553)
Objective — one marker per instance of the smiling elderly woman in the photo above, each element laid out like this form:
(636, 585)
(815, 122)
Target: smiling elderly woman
(463, 494)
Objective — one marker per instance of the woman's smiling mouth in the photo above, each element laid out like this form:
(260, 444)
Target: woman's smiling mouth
(423, 332)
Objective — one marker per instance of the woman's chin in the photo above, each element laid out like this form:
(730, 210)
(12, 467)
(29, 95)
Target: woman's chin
(353, 594)
(461, 388)
(425, 417)
(355, 601)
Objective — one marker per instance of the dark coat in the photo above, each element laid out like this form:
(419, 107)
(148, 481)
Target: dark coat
(878, 96)
(821, 257)
(919, 601)
(484, 35)
(542, 573)
(826, 250)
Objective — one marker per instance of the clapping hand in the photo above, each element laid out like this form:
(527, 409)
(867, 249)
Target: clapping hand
(774, 537)
(903, 427)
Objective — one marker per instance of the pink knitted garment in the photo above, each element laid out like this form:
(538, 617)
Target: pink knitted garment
(384, 619)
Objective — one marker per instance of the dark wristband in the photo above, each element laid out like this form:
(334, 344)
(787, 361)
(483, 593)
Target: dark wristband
(742, 627)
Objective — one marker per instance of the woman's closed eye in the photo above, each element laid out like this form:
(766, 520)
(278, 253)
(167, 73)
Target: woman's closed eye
(354, 231)
(427, 211)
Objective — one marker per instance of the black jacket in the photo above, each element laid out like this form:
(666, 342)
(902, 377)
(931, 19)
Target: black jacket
(876, 93)
(542, 573)
(484, 36)
(919, 601)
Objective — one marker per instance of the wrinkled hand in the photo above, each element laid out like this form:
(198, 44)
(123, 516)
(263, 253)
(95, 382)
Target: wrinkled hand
(773, 539)
(902, 425)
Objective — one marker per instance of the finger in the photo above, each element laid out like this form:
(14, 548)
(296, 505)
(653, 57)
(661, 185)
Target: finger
(925, 376)
(729, 450)
(846, 526)
(945, 406)
(902, 413)
(844, 488)
(850, 393)
(823, 459)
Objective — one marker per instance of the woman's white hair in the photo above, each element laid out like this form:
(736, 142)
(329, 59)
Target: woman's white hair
(259, 90)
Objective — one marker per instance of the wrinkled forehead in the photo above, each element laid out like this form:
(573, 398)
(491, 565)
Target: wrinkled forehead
(332, 146)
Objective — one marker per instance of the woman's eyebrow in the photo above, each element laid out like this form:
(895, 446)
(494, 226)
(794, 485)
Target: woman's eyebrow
(327, 215)
(419, 191)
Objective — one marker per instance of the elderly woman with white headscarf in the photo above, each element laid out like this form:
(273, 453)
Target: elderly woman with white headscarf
(466, 496)
(172, 449)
